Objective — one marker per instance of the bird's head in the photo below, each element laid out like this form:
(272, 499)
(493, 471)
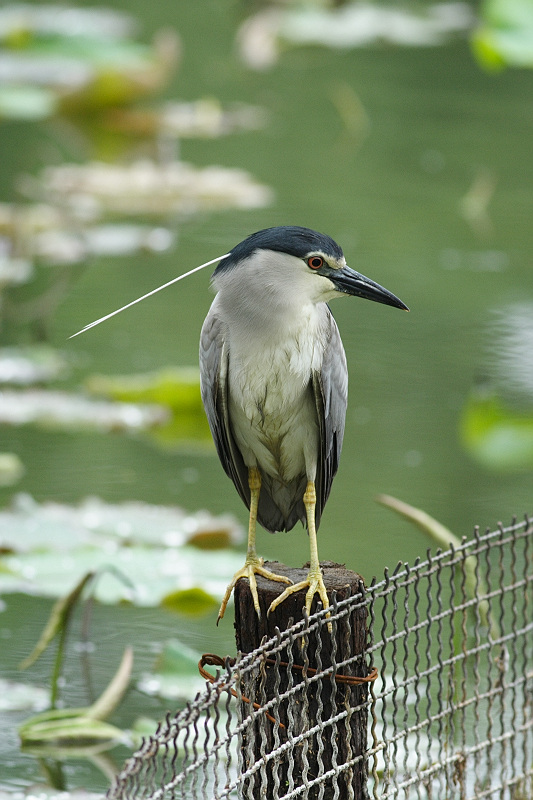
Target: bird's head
(290, 265)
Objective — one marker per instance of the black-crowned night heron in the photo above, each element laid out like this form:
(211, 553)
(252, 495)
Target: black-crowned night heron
(274, 383)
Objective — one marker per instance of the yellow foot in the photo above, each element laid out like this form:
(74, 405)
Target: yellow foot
(252, 567)
(315, 582)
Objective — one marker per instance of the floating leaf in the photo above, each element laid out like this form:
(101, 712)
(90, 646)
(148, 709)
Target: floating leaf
(25, 365)
(71, 63)
(496, 436)
(11, 469)
(66, 410)
(178, 389)
(43, 235)
(14, 271)
(175, 673)
(150, 188)
(67, 728)
(27, 102)
(81, 726)
(28, 526)
(356, 24)
(22, 22)
(22, 696)
(211, 538)
(510, 350)
(204, 118)
(505, 35)
(191, 602)
(148, 544)
(154, 572)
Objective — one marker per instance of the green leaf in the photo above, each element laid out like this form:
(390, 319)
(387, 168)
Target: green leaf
(57, 620)
(11, 469)
(191, 602)
(505, 36)
(79, 65)
(80, 726)
(26, 365)
(154, 572)
(27, 102)
(175, 673)
(15, 696)
(113, 694)
(428, 524)
(497, 437)
(444, 538)
(60, 410)
(176, 389)
(67, 728)
(149, 544)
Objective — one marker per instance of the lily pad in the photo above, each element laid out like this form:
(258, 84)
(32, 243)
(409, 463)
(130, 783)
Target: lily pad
(505, 35)
(510, 350)
(13, 271)
(149, 188)
(176, 389)
(205, 119)
(191, 602)
(37, 363)
(27, 102)
(29, 525)
(67, 410)
(350, 25)
(59, 58)
(11, 469)
(50, 238)
(154, 573)
(498, 437)
(149, 545)
(44, 792)
(16, 696)
(22, 21)
(175, 674)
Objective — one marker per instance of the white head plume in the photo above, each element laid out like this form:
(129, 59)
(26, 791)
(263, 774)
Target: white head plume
(148, 294)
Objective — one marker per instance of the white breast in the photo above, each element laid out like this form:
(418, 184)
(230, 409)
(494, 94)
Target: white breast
(272, 408)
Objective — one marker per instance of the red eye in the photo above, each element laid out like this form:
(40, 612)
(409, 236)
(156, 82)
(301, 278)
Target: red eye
(315, 262)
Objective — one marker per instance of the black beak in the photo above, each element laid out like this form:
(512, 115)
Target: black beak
(351, 282)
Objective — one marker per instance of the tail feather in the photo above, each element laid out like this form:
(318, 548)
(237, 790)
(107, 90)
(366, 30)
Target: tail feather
(281, 505)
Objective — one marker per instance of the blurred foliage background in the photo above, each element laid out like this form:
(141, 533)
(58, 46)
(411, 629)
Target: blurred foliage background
(140, 141)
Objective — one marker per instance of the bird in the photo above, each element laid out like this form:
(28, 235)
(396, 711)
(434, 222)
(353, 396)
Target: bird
(274, 384)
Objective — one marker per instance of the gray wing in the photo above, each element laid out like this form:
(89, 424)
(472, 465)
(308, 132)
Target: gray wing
(330, 387)
(214, 389)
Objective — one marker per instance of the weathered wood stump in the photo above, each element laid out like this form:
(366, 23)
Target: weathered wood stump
(324, 719)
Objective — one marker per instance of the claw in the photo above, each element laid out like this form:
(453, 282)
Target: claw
(251, 568)
(316, 585)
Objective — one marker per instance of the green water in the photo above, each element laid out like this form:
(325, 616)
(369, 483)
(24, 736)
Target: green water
(390, 192)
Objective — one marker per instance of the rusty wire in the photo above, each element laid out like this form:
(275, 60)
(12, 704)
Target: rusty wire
(450, 714)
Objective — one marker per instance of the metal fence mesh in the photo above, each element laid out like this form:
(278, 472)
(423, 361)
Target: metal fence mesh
(450, 715)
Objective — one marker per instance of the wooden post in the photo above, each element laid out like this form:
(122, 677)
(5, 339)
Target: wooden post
(314, 703)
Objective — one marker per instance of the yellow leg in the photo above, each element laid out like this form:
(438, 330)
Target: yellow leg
(253, 565)
(314, 579)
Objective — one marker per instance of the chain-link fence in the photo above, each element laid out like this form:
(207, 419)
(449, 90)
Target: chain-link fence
(449, 716)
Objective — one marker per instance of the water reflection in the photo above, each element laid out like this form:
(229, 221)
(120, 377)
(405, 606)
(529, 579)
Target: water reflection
(419, 164)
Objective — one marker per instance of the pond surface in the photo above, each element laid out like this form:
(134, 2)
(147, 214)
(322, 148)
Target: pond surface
(419, 164)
